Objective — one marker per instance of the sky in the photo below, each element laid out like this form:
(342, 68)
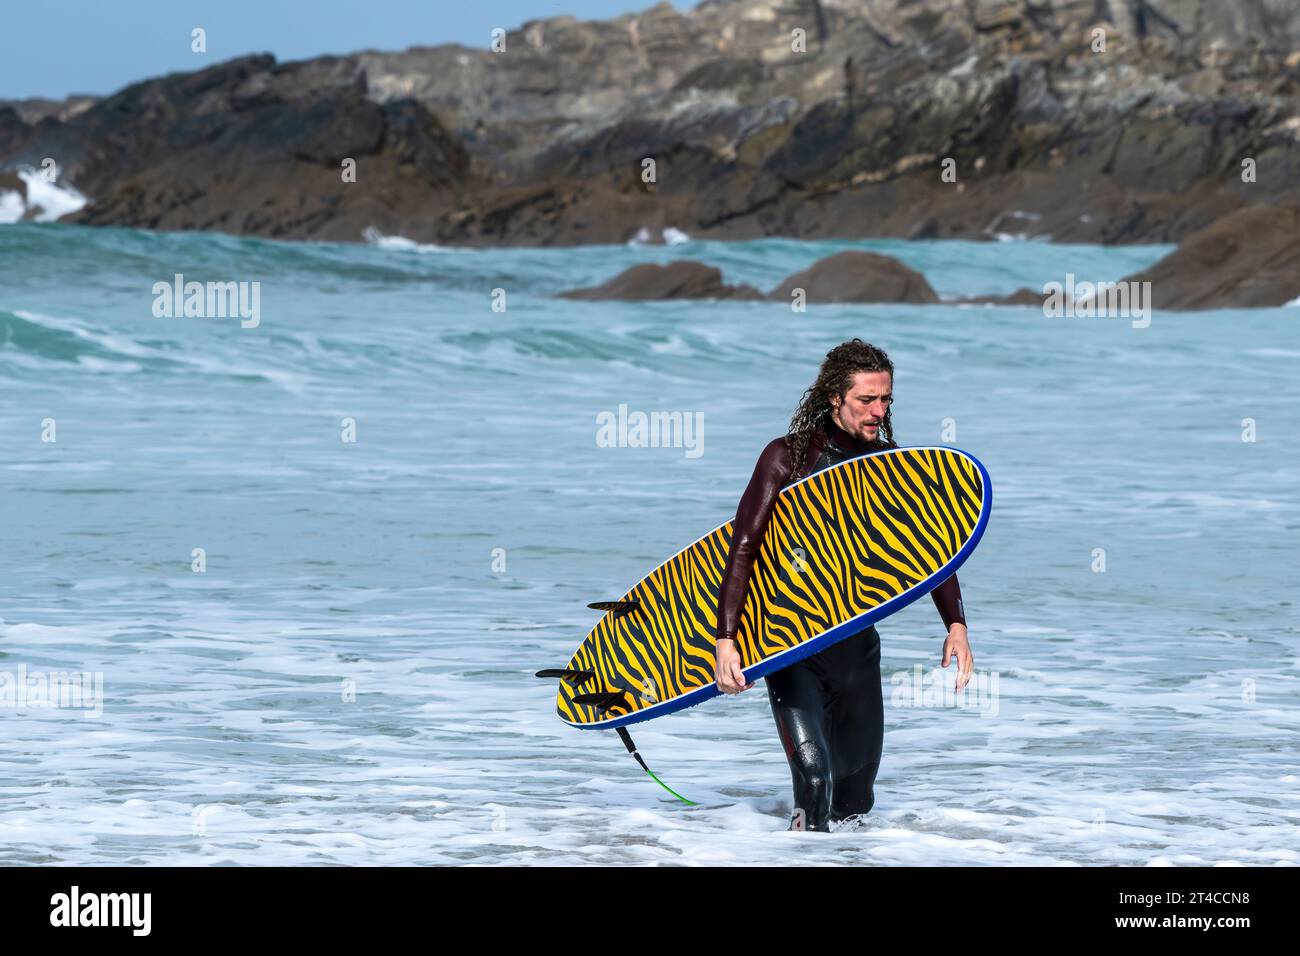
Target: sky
(98, 46)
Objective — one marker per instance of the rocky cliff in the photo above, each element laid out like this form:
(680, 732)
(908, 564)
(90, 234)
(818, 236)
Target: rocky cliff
(1083, 120)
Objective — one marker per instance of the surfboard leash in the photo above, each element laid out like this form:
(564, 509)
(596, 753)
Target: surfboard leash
(603, 700)
(631, 748)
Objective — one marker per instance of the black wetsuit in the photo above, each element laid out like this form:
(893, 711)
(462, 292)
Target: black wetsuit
(829, 707)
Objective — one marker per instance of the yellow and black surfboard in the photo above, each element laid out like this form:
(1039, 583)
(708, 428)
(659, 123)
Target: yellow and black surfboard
(845, 547)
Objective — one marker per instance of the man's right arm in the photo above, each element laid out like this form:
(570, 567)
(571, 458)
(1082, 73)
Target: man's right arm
(770, 475)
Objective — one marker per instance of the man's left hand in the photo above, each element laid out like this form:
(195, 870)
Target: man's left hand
(958, 643)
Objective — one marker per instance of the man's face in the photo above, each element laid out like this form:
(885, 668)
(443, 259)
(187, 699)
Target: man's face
(864, 405)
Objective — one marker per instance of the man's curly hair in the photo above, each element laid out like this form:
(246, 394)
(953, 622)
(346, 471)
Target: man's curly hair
(834, 378)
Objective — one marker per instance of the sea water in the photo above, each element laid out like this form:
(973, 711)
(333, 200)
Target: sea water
(313, 564)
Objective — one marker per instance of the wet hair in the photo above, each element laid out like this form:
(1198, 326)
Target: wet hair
(836, 375)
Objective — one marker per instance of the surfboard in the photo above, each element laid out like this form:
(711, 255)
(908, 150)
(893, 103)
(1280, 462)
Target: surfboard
(845, 547)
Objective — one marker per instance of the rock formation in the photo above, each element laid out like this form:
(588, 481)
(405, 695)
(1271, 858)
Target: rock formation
(676, 280)
(1082, 120)
(1249, 259)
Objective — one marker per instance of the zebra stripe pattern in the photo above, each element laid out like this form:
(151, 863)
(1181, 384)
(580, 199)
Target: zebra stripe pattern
(840, 542)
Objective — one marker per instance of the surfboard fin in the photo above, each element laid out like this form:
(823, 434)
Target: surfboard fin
(574, 678)
(618, 607)
(631, 748)
(601, 700)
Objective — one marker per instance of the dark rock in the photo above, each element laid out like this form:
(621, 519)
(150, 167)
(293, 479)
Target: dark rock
(35, 109)
(12, 124)
(857, 277)
(723, 74)
(251, 146)
(9, 182)
(1021, 296)
(926, 229)
(1250, 259)
(683, 279)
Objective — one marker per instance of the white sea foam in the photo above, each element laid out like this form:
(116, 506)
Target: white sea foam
(374, 237)
(46, 201)
(199, 360)
(668, 237)
(106, 340)
(11, 206)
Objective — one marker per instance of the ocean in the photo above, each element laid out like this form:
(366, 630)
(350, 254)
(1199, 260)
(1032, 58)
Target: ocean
(309, 564)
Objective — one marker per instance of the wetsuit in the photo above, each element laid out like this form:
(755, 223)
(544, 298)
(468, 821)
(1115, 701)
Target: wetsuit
(828, 707)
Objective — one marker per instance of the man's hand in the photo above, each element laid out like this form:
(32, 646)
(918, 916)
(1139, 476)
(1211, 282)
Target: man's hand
(957, 643)
(729, 676)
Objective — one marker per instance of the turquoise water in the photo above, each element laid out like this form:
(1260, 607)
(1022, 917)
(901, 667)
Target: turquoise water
(350, 679)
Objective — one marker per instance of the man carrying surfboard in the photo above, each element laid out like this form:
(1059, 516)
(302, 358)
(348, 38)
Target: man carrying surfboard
(828, 707)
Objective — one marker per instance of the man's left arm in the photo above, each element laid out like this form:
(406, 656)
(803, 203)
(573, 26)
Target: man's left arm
(947, 598)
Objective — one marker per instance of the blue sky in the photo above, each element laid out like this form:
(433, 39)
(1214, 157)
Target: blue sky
(98, 46)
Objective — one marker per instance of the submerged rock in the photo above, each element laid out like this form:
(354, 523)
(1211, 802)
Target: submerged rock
(846, 277)
(1022, 296)
(857, 277)
(683, 279)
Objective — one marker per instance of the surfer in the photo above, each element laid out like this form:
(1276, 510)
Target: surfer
(828, 707)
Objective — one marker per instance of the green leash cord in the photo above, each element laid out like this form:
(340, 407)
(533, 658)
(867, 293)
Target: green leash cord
(631, 748)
